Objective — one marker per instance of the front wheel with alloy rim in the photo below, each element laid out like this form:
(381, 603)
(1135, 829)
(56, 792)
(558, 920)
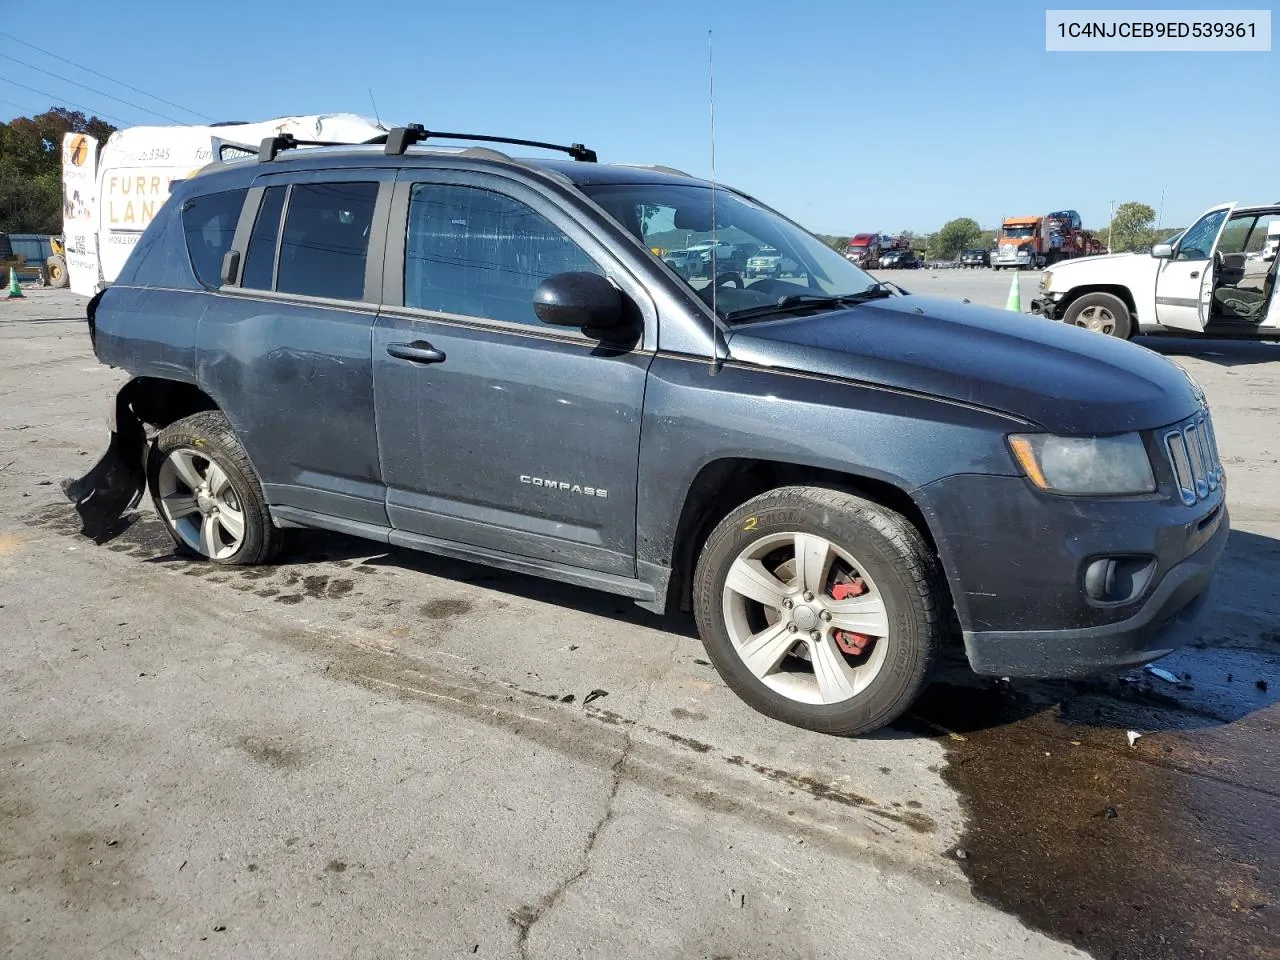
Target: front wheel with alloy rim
(820, 608)
(1100, 312)
(207, 493)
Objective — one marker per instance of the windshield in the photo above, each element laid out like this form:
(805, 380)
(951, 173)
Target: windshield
(669, 217)
(1013, 233)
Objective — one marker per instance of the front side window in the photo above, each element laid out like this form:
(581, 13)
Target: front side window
(1197, 242)
(209, 223)
(477, 253)
(720, 260)
(326, 240)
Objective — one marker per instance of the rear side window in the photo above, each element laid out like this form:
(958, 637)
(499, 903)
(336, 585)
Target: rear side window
(326, 240)
(260, 260)
(209, 223)
(474, 252)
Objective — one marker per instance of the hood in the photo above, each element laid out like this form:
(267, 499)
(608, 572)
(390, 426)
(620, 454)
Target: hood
(1065, 379)
(1101, 257)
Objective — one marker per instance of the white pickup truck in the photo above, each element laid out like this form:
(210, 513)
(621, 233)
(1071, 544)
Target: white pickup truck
(1217, 277)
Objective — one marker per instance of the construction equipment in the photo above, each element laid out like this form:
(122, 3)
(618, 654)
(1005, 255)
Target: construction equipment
(34, 255)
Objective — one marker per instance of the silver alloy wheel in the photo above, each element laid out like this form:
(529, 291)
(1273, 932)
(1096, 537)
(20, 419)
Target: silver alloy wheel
(1096, 318)
(781, 617)
(197, 499)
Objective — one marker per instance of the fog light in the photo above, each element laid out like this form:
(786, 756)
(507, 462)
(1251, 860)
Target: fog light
(1117, 579)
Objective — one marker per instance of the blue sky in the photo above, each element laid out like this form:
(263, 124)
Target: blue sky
(849, 116)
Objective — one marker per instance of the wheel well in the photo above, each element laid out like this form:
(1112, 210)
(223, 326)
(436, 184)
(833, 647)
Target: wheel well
(722, 485)
(161, 402)
(1115, 289)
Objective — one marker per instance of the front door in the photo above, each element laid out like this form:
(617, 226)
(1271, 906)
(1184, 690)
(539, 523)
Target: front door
(1181, 282)
(495, 430)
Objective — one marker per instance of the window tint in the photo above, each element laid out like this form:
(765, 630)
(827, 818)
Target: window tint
(1258, 239)
(1236, 233)
(209, 223)
(326, 240)
(478, 253)
(260, 262)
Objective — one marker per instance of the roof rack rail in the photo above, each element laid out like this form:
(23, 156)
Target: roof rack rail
(273, 146)
(401, 138)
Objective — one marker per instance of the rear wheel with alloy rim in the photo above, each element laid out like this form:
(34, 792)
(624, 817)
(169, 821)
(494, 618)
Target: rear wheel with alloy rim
(207, 494)
(820, 608)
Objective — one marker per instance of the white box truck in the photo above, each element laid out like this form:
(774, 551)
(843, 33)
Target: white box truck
(111, 194)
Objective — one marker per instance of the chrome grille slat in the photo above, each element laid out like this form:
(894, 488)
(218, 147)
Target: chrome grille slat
(1193, 456)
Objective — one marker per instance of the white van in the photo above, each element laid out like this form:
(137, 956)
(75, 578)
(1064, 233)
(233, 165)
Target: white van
(110, 196)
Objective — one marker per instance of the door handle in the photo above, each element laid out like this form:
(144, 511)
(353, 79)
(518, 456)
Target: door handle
(1194, 274)
(419, 351)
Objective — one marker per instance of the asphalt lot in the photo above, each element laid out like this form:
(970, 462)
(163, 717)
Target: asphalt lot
(369, 753)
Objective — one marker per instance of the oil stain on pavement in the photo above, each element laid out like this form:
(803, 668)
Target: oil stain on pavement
(1166, 849)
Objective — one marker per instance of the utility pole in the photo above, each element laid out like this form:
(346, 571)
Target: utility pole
(1109, 225)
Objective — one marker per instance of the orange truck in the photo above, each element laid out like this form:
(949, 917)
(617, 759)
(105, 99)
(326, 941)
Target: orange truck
(1027, 243)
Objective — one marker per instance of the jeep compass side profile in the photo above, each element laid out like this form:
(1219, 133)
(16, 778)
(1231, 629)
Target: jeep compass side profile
(456, 351)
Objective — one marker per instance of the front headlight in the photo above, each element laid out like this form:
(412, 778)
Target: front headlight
(1046, 278)
(1080, 466)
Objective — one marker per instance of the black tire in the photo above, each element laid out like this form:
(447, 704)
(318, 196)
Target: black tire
(1089, 311)
(210, 434)
(56, 271)
(891, 552)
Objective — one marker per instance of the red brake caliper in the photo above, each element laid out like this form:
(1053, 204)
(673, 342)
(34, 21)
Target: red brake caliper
(853, 644)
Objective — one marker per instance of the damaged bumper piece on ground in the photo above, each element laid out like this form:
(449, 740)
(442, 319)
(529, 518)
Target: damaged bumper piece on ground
(116, 482)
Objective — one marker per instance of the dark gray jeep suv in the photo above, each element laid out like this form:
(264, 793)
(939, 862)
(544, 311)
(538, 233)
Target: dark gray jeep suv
(488, 358)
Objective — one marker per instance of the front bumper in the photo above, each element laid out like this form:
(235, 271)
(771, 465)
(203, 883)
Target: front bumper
(1017, 563)
(1046, 305)
(1168, 620)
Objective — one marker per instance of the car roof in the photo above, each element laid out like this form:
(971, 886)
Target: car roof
(362, 155)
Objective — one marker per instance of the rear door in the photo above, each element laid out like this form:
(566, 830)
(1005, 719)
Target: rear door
(287, 351)
(495, 430)
(1184, 284)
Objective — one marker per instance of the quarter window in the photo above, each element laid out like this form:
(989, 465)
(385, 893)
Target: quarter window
(326, 240)
(260, 261)
(478, 253)
(209, 223)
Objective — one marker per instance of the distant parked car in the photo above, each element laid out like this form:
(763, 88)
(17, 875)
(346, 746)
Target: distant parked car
(686, 263)
(769, 262)
(975, 258)
(900, 260)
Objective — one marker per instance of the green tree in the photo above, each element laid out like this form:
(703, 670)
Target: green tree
(1133, 227)
(954, 236)
(31, 167)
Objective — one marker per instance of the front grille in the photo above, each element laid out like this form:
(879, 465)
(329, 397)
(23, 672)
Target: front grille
(1193, 455)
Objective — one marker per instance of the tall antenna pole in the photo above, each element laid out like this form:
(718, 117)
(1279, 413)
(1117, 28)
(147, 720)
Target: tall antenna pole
(375, 107)
(711, 89)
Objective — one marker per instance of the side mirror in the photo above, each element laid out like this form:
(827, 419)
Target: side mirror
(1162, 251)
(584, 300)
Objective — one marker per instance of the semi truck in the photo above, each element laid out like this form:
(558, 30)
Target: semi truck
(1027, 243)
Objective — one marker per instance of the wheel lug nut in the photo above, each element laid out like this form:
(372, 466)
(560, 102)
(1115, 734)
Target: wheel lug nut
(814, 635)
(788, 603)
(825, 614)
(791, 627)
(807, 596)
